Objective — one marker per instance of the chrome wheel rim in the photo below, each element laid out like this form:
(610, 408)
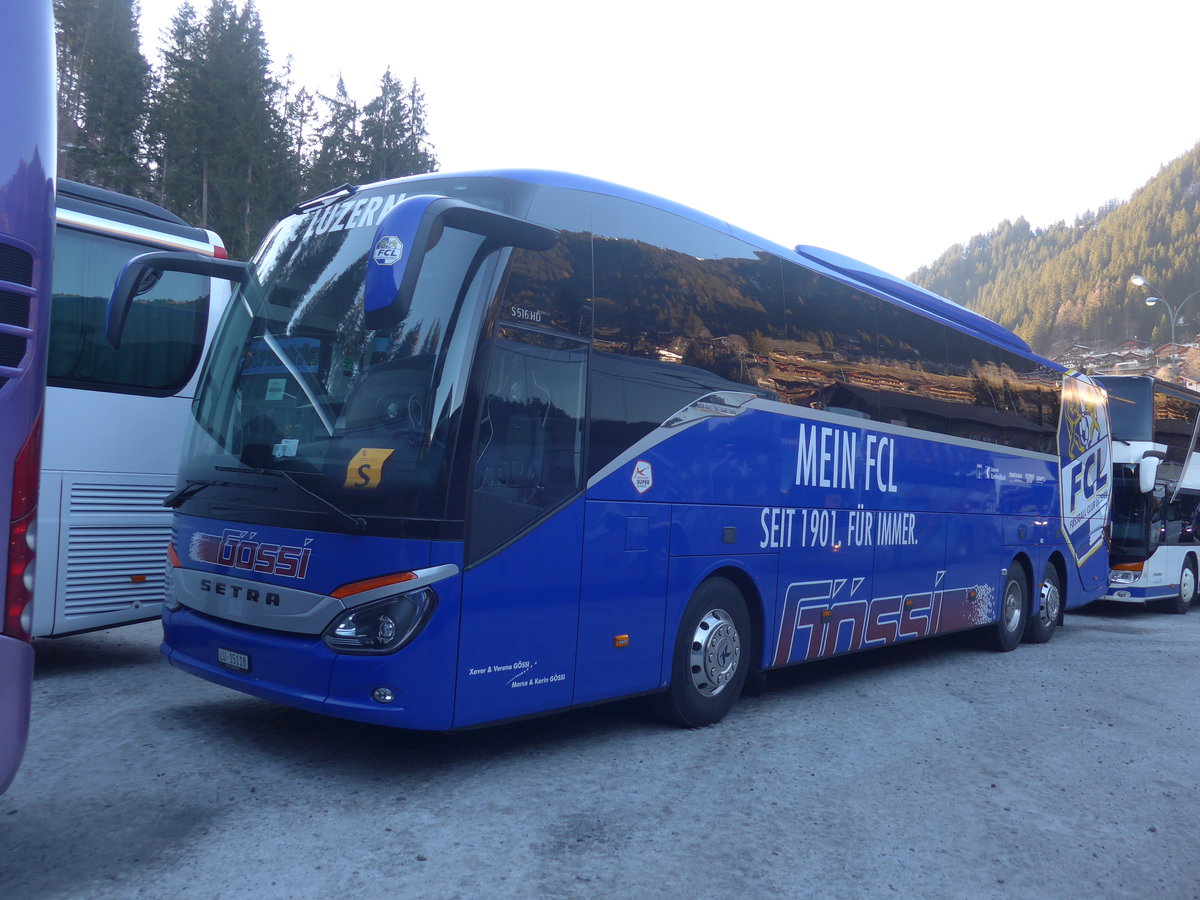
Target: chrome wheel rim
(1010, 612)
(1051, 602)
(715, 652)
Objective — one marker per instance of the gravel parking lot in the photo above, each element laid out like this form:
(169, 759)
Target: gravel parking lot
(936, 769)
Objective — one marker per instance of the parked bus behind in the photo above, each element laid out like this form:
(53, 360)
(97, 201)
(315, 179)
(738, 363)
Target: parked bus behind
(1156, 492)
(115, 419)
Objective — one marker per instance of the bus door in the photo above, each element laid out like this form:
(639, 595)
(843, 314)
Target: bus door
(520, 606)
(623, 605)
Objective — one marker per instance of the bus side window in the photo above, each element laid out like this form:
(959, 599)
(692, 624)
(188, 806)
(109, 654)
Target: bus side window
(825, 355)
(679, 292)
(915, 387)
(1031, 410)
(977, 405)
(528, 455)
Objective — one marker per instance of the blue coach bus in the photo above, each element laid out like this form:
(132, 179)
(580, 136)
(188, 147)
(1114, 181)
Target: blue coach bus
(472, 448)
(27, 168)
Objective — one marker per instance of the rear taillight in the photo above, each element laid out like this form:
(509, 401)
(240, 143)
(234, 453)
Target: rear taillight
(22, 537)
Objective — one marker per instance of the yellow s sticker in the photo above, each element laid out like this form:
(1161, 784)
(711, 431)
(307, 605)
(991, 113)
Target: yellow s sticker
(365, 470)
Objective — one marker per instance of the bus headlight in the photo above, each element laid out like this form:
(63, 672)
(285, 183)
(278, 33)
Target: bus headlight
(1123, 576)
(383, 626)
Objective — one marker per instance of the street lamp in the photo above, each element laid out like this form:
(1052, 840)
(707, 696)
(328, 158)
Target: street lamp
(1139, 281)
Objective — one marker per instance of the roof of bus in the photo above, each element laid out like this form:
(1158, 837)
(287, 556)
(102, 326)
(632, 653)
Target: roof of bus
(833, 265)
(1157, 384)
(135, 215)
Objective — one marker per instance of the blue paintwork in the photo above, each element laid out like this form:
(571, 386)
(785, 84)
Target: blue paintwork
(191, 641)
(519, 625)
(534, 628)
(200, 543)
(845, 533)
(385, 271)
(685, 573)
(300, 669)
(623, 592)
(27, 170)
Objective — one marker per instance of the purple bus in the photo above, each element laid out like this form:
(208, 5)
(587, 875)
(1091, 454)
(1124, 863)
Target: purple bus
(27, 172)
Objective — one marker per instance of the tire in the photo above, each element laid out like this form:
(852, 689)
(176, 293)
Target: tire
(711, 657)
(1040, 627)
(1014, 610)
(1179, 604)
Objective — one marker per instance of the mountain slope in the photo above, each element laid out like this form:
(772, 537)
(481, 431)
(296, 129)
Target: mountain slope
(1070, 283)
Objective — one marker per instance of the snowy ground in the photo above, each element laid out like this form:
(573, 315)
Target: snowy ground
(935, 770)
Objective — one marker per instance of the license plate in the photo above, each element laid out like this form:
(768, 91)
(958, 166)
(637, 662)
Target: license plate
(233, 660)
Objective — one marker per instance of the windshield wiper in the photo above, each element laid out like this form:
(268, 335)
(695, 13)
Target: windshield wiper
(345, 190)
(195, 485)
(358, 522)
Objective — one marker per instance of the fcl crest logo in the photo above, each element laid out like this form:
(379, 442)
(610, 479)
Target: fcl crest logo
(1084, 445)
(388, 251)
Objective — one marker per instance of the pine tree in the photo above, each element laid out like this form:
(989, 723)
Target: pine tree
(394, 134)
(1070, 283)
(298, 112)
(340, 157)
(175, 128)
(386, 138)
(385, 132)
(212, 134)
(221, 146)
(103, 85)
(261, 184)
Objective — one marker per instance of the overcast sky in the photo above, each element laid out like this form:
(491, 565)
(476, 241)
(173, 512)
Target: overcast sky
(884, 130)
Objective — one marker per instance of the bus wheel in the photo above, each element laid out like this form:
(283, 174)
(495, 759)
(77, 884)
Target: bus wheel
(1014, 607)
(711, 656)
(1040, 627)
(1187, 590)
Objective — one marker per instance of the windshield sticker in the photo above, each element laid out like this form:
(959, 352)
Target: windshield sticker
(365, 471)
(356, 212)
(275, 388)
(388, 251)
(643, 476)
(521, 314)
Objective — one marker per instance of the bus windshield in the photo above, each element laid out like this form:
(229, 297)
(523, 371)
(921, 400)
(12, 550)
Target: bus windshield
(303, 410)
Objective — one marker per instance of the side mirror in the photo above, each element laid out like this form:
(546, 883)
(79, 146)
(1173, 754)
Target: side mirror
(1148, 470)
(142, 272)
(411, 228)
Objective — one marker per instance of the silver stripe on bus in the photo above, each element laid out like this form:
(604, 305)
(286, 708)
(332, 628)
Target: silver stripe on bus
(121, 229)
(280, 608)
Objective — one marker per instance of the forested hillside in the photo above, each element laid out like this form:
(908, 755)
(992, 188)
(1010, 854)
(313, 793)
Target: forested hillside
(1070, 283)
(217, 132)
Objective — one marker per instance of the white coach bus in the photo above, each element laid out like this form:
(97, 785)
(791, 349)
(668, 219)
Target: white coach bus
(115, 419)
(1156, 492)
